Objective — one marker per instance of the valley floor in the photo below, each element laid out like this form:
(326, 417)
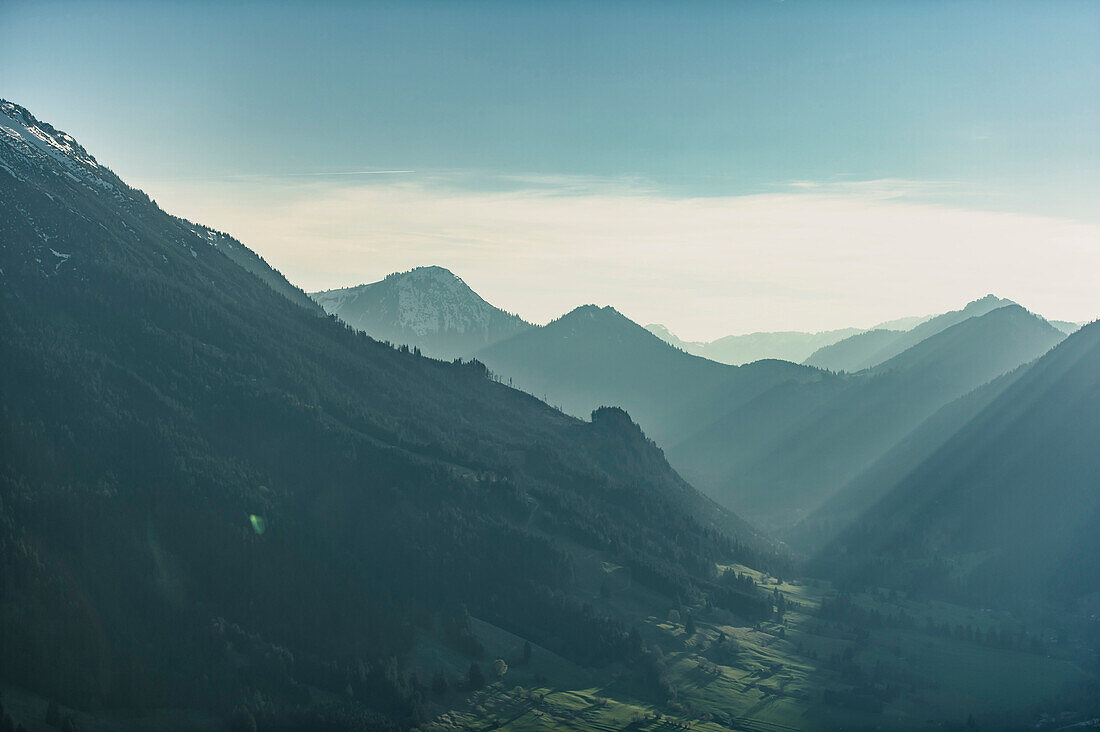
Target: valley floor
(800, 672)
(818, 664)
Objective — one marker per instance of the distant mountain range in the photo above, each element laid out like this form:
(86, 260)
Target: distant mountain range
(794, 346)
(786, 453)
(1008, 506)
(595, 356)
(428, 308)
(871, 348)
(741, 349)
(771, 439)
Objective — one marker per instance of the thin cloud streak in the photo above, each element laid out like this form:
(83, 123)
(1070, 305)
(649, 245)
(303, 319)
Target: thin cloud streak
(266, 177)
(810, 257)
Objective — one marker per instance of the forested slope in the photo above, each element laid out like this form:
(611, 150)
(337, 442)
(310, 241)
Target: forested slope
(207, 492)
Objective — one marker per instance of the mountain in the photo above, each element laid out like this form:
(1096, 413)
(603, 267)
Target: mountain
(595, 356)
(427, 308)
(252, 262)
(1066, 327)
(1008, 507)
(210, 497)
(864, 490)
(907, 323)
(29, 142)
(851, 353)
(741, 349)
(864, 351)
(779, 457)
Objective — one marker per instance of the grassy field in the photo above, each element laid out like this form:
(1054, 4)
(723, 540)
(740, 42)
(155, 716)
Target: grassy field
(777, 680)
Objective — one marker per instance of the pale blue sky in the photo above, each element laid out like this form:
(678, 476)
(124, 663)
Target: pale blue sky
(990, 106)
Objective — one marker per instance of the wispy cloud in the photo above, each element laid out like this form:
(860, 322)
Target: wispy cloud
(809, 255)
(881, 188)
(268, 177)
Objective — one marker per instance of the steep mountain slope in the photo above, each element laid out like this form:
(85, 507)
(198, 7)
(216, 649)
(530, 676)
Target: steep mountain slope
(427, 308)
(1008, 507)
(741, 349)
(595, 356)
(27, 141)
(777, 459)
(208, 494)
(850, 354)
(869, 486)
(859, 352)
(252, 262)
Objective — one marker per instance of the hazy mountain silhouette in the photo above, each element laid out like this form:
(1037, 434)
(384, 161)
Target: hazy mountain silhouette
(593, 356)
(1065, 326)
(864, 490)
(1008, 507)
(779, 457)
(429, 308)
(741, 349)
(208, 493)
(866, 350)
(853, 353)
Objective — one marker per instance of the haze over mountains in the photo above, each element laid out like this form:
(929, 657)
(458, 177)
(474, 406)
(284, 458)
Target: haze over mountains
(741, 349)
(866, 350)
(787, 346)
(593, 356)
(221, 508)
(1007, 507)
(770, 439)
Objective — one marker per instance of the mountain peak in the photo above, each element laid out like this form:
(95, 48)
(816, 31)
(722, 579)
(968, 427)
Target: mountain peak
(428, 307)
(34, 138)
(987, 303)
(605, 313)
(430, 272)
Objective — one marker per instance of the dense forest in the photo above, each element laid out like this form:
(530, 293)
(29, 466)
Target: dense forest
(209, 494)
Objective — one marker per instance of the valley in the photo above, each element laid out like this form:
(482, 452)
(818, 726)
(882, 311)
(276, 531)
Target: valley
(225, 503)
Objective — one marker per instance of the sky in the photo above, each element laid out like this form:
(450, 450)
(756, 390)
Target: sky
(717, 167)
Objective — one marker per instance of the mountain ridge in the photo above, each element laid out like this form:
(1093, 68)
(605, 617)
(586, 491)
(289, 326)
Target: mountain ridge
(776, 458)
(1007, 506)
(429, 308)
(862, 351)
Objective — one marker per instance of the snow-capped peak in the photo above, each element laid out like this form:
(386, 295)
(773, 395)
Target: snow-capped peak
(429, 307)
(32, 137)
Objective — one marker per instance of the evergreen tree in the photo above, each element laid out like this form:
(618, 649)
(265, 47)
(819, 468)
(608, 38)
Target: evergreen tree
(475, 678)
(439, 683)
(527, 651)
(689, 625)
(53, 716)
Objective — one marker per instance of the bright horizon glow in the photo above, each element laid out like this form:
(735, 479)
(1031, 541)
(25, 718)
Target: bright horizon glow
(718, 167)
(816, 256)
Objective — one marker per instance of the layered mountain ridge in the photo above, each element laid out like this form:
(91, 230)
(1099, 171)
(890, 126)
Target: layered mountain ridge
(866, 350)
(1007, 507)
